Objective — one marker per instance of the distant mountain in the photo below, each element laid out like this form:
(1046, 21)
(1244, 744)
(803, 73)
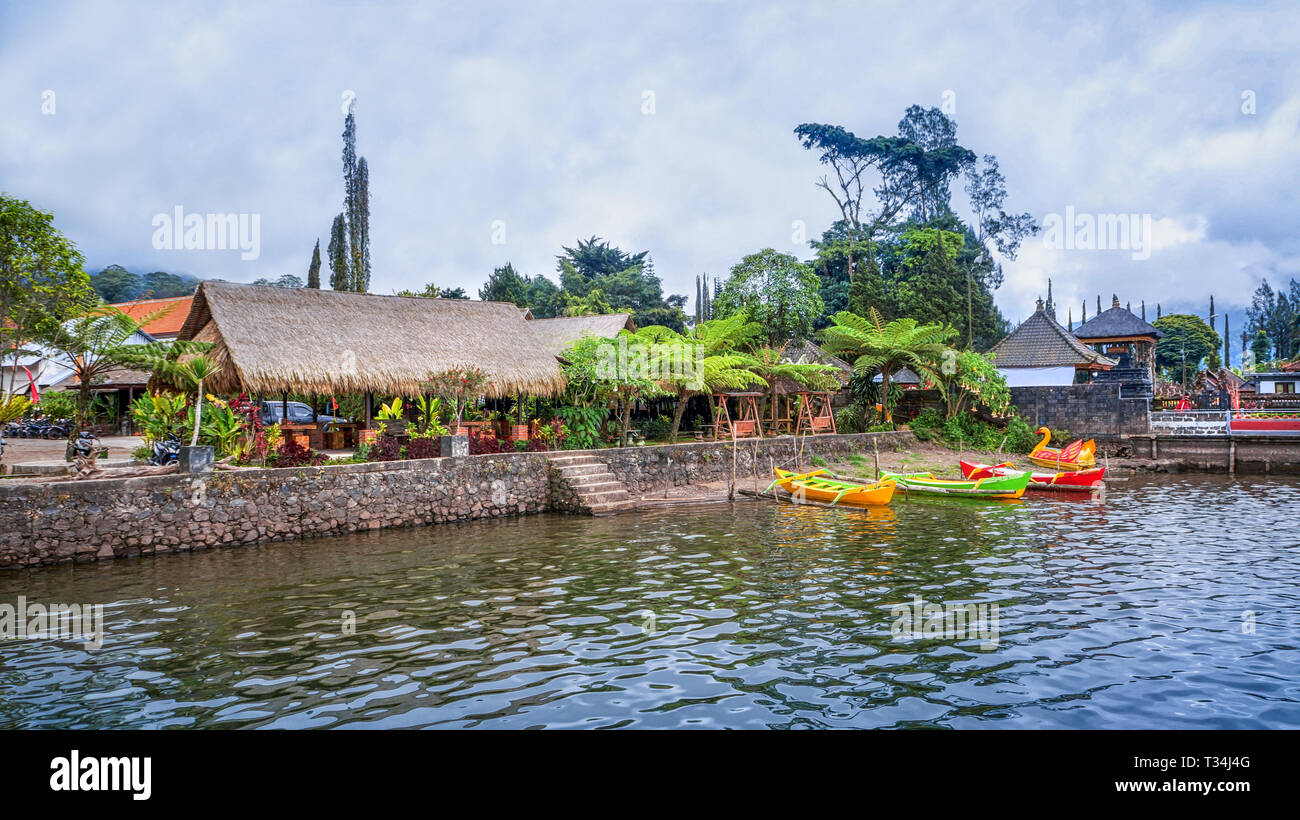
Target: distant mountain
(117, 284)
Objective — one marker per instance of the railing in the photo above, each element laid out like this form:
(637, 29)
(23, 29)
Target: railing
(1267, 422)
(1189, 422)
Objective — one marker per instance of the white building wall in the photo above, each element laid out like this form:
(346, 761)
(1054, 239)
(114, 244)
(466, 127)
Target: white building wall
(1037, 376)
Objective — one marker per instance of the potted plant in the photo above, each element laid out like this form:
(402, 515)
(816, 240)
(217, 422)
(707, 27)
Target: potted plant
(456, 388)
(196, 459)
(393, 416)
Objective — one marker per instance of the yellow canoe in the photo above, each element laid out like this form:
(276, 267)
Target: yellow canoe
(818, 486)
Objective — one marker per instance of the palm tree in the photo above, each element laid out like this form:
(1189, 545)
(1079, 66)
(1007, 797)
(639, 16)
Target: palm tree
(101, 341)
(717, 362)
(194, 370)
(878, 346)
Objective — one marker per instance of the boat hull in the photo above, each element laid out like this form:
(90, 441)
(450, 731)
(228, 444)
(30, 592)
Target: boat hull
(1081, 481)
(827, 490)
(1009, 486)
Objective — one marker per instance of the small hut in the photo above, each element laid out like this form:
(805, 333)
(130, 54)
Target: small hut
(302, 340)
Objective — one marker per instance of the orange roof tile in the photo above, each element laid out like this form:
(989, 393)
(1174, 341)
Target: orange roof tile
(167, 324)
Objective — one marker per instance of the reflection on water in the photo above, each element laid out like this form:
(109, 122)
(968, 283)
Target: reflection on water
(1123, 614)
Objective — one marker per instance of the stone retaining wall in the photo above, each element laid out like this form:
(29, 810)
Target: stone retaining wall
(1085, 410)
(647, 469)
(52, 523)
(1245, 455)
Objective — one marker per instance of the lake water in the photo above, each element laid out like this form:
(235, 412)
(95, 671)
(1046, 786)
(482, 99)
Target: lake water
(1132, 613)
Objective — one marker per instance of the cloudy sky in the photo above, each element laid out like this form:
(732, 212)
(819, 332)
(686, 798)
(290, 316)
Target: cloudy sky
(662, 126)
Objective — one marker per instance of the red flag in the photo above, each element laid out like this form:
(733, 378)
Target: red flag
(31, 382)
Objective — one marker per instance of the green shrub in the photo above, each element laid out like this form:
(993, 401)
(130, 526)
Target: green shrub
(968, 432)
(851, 419)
(818, 461)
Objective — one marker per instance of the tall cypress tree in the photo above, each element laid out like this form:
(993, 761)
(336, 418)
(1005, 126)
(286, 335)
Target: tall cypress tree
(363, 225)
(313, 270)
(350, 199)
(340, 275)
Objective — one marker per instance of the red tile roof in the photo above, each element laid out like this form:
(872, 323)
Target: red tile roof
(168, 324)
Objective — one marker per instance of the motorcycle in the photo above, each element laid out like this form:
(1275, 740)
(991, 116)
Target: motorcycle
(86, 444)
(165, 452)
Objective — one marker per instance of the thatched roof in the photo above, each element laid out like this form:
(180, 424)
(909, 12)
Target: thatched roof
(302, 340)
(558, 334)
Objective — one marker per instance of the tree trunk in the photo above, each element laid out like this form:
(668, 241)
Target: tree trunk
(884, 395)
(624, 420)
(198, 416)
(677, 414)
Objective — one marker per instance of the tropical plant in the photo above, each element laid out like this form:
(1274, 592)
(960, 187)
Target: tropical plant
(224, 429)
(457, 388)
(158, 416)
(428, 419)
(194, 371)
(877, 346)
(392, 411)
(582, 425)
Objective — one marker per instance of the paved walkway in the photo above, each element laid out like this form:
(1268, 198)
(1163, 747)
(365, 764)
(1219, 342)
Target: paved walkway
(39, 455)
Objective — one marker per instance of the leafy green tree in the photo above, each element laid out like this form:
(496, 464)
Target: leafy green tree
(454, 293)
(1259, 348)
(776, 290)
(876, 346)
(101, 341)
(505, 285)
(1188, 340)
(627, 281)
(313, 269)
(718, 363)
(41, 278)
(969, 379)
(429, 291)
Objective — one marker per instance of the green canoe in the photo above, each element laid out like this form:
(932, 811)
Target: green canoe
(1010, 486)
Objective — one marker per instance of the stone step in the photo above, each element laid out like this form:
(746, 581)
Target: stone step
(604, 496)
(569, 460)
(600, 484)
(574, 470)
(611, 507)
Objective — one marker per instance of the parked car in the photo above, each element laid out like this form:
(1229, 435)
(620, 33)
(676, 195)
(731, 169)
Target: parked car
(299, 413)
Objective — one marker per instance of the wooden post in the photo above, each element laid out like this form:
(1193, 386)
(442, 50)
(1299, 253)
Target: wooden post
(875, 451)
(731, 490)
(370, 406)
(284, 408)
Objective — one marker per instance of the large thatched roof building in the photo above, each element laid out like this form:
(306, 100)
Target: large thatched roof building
(559, 333)
(276, 340)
